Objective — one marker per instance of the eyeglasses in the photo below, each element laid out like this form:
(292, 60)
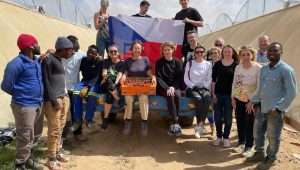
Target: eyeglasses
(199, 52)
(218, 45)
(113, 51)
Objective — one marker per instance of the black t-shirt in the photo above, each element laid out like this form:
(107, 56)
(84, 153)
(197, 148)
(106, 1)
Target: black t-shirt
(168, 73)
(137, 68)
(139, 15)
(223, 77)
(113, 68)
(192, 14)
(90, 69)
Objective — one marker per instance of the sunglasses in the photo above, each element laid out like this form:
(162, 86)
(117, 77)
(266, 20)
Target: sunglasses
(113, 51)
(218, 45)
(199, 52)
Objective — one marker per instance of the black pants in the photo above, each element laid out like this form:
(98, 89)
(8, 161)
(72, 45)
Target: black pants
(79, 130)
(245, 122)
(203, 100)
(107, 87)
(223, 116)
(172, 103)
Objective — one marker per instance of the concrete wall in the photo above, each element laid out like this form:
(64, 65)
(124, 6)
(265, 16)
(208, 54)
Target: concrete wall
(282, 26)
(15, 20)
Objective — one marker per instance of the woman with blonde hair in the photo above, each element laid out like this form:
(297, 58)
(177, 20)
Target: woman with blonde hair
(168, 74)
(243, 87)
(101, 25)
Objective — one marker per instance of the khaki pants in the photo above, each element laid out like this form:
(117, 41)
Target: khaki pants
(56, 120)
(29, 127)
(143, 103)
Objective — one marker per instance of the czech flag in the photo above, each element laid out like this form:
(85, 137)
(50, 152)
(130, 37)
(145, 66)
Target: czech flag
(152, 32)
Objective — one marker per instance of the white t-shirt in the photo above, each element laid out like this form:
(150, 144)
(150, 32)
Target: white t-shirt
(245, 81)
(199, 74)
(72, 66)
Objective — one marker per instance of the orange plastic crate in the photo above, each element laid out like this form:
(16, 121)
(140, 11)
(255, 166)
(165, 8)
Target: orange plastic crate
(137, 86)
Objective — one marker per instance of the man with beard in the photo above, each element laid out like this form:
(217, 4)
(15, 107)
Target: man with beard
(276, 90)
(23, 81)
(56, 98)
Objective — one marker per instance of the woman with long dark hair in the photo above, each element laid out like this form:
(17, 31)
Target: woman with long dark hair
(222, 78)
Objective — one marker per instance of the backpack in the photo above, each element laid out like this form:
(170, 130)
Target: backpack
(7, 136)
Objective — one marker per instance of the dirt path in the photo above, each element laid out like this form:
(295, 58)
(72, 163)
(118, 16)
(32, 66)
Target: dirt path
(111, 150)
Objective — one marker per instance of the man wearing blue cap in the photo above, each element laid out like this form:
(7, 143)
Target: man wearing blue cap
(56, 99)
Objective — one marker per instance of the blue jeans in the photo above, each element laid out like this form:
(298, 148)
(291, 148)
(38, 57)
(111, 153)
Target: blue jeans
(90, 106)
(272, 125)
(102, 43)
(223, 115)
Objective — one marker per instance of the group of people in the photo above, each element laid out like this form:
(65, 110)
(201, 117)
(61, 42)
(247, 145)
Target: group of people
(255, 85)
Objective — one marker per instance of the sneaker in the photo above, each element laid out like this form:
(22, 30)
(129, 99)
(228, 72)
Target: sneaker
(227, 143)
(81, 138)
(177, 130)
(256, 157)
(53, 165)
(144, 128)
(89, 125)
(76, 126)
(240, 148)
(203, 130)
(65, 152)
(171, 131)
(32, 164)
(247, 152)
(198, 132)
(20, 167)
(104, 124)
(127, 127)
(62, 158)
(266, 164)
(217, 142)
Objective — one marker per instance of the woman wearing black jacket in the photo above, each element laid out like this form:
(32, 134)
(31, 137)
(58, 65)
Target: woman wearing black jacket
(168, 74)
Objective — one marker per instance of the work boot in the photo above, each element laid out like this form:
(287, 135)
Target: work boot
(266, 164)
(256, 157)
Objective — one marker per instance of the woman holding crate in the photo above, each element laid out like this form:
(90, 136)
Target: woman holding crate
(137, 67)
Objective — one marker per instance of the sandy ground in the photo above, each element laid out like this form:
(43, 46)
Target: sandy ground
(110, 150)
